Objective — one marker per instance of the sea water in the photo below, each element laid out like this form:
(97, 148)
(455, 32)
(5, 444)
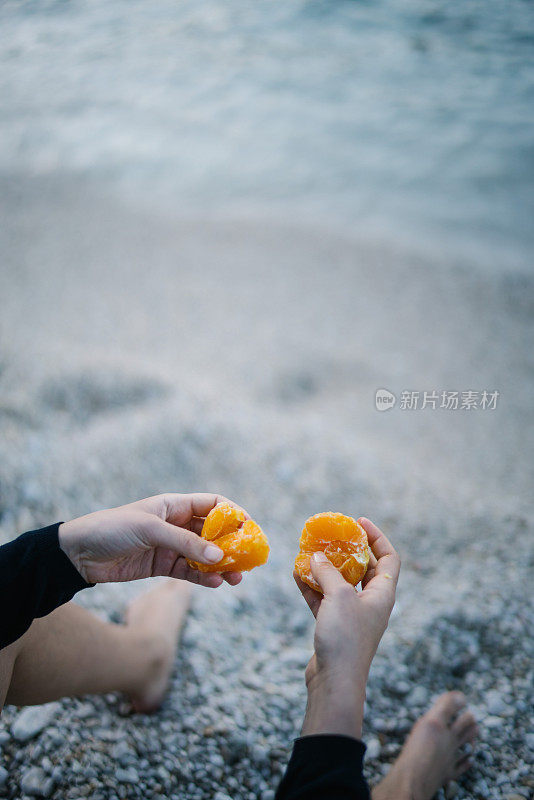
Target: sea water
(405, 117)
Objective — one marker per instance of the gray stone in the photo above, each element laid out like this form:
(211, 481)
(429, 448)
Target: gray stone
(36, 782)
(373, 748)
(85, 710)
(123, 753)
(451, 790)
(129, 775)
(4, 775)
(57, 774)
(33, 720)
(418, 696)
(400, 688)
(259, 754)
(495, 703)
(493, 722)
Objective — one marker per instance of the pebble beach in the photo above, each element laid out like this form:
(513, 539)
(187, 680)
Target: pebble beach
(181, 311)
(230, 379)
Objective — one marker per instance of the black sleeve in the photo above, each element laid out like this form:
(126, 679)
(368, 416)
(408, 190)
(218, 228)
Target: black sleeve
(325, 766)
(35, 578)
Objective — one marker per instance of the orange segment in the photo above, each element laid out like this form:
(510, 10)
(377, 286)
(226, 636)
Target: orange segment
(341, 538)
(221, 520)
(243, 542)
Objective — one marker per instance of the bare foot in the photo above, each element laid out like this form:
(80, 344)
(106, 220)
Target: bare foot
(431, 756)
(155, 619)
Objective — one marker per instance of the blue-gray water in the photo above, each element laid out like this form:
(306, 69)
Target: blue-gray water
(409, 118)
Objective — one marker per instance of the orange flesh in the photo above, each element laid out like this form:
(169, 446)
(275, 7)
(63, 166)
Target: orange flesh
(342, 539)
(242, 541)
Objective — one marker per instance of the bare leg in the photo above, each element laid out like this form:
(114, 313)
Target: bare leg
(72, 652)
(431, 756)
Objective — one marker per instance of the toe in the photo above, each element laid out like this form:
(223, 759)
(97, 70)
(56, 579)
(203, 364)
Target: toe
(447, 707)
(463, 764)
(465, 728)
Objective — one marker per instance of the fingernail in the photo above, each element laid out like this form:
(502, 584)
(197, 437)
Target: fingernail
(320, 557)
(213, 553)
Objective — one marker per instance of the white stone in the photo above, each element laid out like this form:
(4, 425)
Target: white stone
(33, 720)
(37, 783)
(373, 748)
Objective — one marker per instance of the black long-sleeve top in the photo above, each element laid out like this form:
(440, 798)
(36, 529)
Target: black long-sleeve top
(36, 577)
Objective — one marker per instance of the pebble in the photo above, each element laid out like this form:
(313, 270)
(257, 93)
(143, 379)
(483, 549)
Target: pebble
(123, 753)
(495, 703)
(418, 696)
(373, 748)
(493, 722)
(129, 775)
(238, 695)
(85, 710)
(33, 720)
(4, 775)
(36, 782)
(401, 688)
(451, 790)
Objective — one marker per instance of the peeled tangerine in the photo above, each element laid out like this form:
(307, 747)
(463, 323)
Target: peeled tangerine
(242, 540)
(341, 539)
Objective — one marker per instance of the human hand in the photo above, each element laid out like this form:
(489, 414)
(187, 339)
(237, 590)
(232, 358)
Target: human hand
(150, 537)
(349, 627)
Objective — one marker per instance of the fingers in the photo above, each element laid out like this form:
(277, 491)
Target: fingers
(212, 580)
(232, 578)
(370, 570)
(384, 567)
(182, 542)
(326, 575)
(180, 508)
(312, 597)
(387, 557)
(182, 571)
(196, 525)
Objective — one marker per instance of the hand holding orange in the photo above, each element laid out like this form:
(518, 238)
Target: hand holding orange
(242, 540)
(341, 539)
